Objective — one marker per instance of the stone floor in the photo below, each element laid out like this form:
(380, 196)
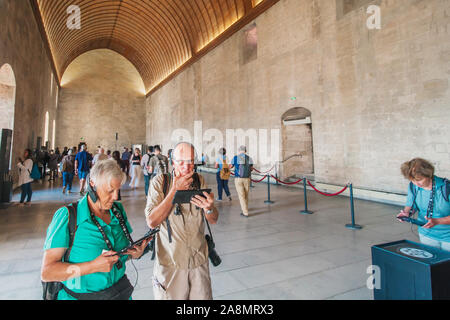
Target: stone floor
(275, 254)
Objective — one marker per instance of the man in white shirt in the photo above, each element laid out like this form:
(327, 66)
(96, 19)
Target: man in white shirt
(100, 156)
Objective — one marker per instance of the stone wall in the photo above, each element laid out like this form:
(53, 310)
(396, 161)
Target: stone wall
(377, 97)
(22, 48)
(102, 94)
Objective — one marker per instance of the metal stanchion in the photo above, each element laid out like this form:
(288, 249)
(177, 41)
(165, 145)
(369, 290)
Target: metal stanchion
(268, 191)
(352, 226)
(306, 211)
(276, 176)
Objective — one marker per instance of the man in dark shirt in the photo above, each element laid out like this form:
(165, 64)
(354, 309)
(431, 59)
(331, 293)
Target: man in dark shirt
(82, 166)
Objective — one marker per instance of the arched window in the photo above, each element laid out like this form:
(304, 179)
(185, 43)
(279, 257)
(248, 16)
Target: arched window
(7, 97)
(47, 123)
(54, 134)
(7, 102)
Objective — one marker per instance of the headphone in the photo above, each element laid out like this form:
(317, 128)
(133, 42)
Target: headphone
(92, 191)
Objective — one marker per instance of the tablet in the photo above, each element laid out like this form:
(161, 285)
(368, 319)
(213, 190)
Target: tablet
(185, 196)
(149, 234)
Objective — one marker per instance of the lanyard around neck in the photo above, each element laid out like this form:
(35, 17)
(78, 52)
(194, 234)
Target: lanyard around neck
(105, 238)
(431, 202)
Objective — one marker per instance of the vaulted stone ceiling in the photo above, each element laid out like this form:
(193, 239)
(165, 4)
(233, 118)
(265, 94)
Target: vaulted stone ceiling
(160, 37)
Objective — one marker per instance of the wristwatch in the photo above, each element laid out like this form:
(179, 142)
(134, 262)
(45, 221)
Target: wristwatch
(209, 211)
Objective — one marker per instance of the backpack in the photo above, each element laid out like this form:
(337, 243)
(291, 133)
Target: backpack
(244, 169)
(50, 290)
(225, 171)
(35, 173)
(445, 192)
(161, 167)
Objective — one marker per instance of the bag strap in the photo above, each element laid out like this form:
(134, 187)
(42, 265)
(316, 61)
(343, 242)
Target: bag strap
(446, 189)
(166, 180)
(72, 228)
(414, 193)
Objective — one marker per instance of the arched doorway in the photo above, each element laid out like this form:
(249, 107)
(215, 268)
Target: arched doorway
(7, 100)
(297, 140)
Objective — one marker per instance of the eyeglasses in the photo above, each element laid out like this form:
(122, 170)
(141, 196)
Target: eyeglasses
(182, 162)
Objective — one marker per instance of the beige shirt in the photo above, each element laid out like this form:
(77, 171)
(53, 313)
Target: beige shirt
(188, 249)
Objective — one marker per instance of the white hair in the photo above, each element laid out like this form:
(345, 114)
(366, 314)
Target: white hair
(103, 172)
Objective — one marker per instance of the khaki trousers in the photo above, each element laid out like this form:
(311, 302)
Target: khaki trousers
(182, 284)
(242, 188)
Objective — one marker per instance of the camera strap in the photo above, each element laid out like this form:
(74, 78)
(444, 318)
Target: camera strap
(106, 239)
(209, 228)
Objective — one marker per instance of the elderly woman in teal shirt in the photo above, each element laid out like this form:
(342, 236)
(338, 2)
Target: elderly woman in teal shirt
(102, 229)
(428, 194)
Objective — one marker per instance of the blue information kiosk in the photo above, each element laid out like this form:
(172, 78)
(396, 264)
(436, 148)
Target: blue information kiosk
(411, 271)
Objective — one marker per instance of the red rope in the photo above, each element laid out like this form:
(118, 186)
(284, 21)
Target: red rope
(327, 194)
(263, 172)
(255, 181)
(287, 183)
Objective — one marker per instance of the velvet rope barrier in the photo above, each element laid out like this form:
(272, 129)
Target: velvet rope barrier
(287, 183)
(255, 181)
(327, 194)
(263, 172)
(258, 181)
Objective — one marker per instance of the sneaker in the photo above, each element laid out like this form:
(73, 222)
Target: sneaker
(219, 200)
(64, 190)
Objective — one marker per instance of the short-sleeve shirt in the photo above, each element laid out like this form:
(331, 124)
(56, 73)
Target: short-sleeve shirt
(154, 162)
(188, 249)
(145, 162)
(83, 159)
(88, 245)
(238, 161)
(220, 161)
(126, 156)
(441, 210)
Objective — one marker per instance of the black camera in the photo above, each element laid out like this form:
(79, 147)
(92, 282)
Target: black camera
(213, 256)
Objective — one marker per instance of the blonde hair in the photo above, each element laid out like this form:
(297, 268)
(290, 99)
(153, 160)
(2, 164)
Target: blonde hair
(417, 168)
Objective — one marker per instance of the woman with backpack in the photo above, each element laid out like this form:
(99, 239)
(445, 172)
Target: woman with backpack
(223, 174)
(68, 171)
(81, 260)
(429, 196)
(25, 167)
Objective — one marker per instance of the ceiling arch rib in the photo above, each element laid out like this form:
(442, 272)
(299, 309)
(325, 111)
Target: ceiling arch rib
(145, 43)
(160, 38)
(93, 23)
